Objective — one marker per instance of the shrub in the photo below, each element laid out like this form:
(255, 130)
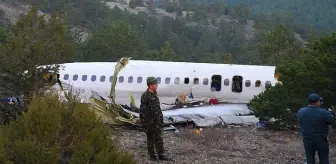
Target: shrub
(313, 71)
(54, 131)
(275, 102)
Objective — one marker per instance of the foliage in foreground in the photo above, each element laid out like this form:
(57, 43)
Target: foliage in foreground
(33, 41)
(313, 71)
(59, 132)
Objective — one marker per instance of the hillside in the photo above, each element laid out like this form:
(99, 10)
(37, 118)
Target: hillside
(187, 30)
(318, 14)
(170, 31)
(13, 11)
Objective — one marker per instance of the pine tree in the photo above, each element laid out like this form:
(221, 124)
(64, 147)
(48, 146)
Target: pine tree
(36, 40)
(312, 72)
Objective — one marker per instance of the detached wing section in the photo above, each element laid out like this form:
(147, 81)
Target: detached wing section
(204, 116)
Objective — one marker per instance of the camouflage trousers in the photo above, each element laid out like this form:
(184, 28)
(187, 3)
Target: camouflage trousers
(154, 140)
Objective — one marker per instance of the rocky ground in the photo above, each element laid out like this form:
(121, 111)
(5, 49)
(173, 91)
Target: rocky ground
(222, 146)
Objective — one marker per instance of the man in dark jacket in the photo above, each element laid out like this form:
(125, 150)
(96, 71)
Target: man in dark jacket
(152, 120)
(314, 122)
(329, 110)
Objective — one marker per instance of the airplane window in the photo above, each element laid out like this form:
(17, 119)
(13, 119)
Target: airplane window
(102, 78)
(167, 80)
(257, 83)
(84, 77)
(196, 81)
(237, 84)
(216, 83)
(158, 79)
(205, 81)
(177, 80)
(75, 77)
(186, 80)
(66, 77)
(130, 79)
(111, 78)
(247, 83)
(226, 82)
(139, 80)
(121, 79)
(268, 84)
(93, 78)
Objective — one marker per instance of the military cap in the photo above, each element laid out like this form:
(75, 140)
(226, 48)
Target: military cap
(151, 80)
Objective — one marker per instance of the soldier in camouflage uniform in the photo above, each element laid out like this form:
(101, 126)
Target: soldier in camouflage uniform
(152, 120)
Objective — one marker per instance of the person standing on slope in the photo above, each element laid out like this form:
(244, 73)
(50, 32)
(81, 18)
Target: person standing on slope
(152, 120)
(314, 122)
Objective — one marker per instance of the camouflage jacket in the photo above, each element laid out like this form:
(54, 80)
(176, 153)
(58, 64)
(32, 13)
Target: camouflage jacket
(150, 111)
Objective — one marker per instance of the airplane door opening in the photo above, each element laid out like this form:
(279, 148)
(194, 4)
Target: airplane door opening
(216, 83)
(237, 83)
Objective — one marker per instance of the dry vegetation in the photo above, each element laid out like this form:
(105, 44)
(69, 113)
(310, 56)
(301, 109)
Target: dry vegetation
(222, 146)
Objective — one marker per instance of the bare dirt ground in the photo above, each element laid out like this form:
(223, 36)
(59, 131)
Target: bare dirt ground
(222, 146)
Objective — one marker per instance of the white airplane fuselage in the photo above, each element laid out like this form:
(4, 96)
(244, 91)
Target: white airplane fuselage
(174, 78)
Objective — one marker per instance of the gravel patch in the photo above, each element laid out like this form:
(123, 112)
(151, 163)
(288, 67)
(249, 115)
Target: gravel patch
(221, 146)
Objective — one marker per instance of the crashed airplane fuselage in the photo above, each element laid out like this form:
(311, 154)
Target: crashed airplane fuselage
(228, 82)
(107, 84)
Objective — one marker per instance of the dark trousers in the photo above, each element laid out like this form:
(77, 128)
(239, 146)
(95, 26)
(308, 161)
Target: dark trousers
(154, 140)
(319, 144)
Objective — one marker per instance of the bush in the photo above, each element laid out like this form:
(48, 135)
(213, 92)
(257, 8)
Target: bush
(274, 102)
(313, 72)
(10, 112)
(58, 132)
